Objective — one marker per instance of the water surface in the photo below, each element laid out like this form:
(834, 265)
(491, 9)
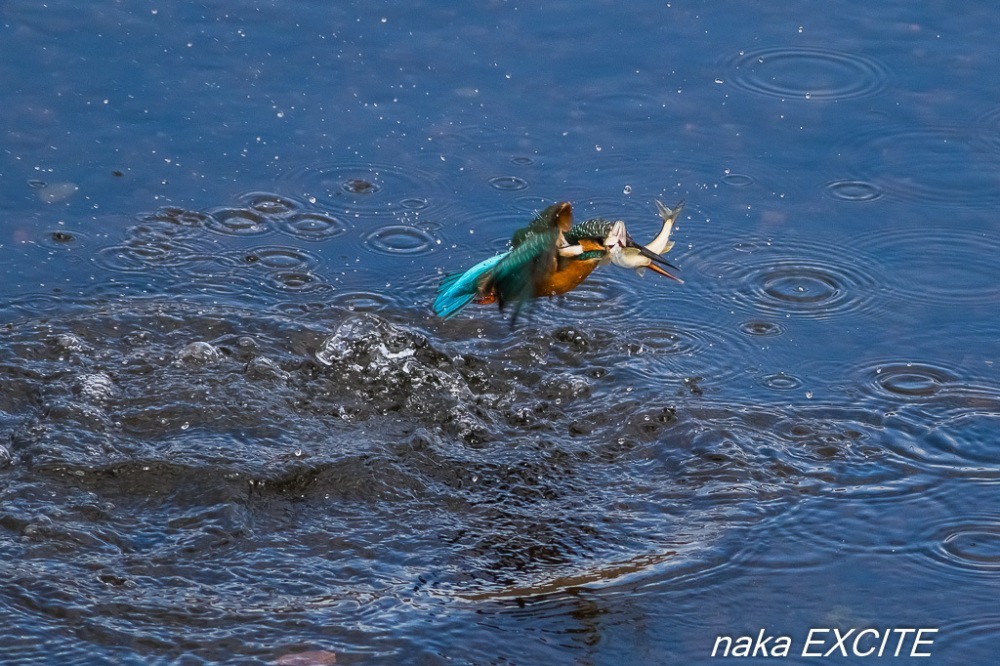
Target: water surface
(233, 431)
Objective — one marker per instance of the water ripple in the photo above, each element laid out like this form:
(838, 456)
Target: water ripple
(531, 203)
(396, 239)
(688, 349)
(974, 638)
(360, 301)
(508, 183)
(624, 107)
(781, 381)
(987, 129)
(269, 204)
(801, 280)
(63, 239)
(853, 190)
(297, 282)
(905, 380)
(842, 523)
(738, 180)
(139, 257)
(970, 544)
(936, 263)
(939, 165)
(803, 73)
(230, 221)
(278, 257)
(312, 226)
(368, 188)
(760, 328)
(284, 269)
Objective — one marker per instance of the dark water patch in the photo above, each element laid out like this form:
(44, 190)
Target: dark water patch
(64, 240)
(934, 263)
(508, 183)
(852, 190)
(935, 165)
(760, 328)
(360, 186)
(370, 469)
(805, 73)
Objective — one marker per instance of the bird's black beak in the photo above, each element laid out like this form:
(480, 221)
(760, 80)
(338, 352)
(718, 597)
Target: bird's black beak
(655, 258)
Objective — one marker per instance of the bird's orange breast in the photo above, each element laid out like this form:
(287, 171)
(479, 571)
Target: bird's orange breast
(569, 272)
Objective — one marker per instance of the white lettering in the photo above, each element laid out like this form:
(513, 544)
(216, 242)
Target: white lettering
(810, 641)
(719, 639)
(839, 643)
(885, 639)
(902, 637)
(919, 641)
(858, 638)
(761, 645)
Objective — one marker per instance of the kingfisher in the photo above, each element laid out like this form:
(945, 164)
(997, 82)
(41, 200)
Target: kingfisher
(552, 256)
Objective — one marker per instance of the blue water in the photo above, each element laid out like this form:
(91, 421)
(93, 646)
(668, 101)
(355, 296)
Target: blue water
(232, 430)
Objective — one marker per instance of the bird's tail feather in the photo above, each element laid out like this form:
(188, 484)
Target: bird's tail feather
(459, 289)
